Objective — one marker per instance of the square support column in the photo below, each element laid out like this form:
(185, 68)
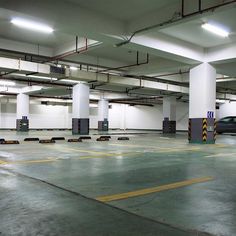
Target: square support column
(202, 97)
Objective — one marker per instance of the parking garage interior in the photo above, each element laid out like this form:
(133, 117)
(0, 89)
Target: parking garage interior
(117, 118)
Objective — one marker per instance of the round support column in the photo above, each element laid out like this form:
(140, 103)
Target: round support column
(22, 112)
(80, 109)
(103, 108)
(169, 114)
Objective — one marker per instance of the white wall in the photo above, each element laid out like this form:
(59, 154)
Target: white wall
(226, 109)
(120, 116)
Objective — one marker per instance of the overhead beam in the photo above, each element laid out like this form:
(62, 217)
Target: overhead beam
(124, 81)
(167, 47)
(26, 48)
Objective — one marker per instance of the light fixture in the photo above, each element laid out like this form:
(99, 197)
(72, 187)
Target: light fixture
(215, 30)
(7, 83)
(222, 100)
(69, 81)
(34, 76)
(73, 68)
(225, 80)
(31, 25)
(41, 77)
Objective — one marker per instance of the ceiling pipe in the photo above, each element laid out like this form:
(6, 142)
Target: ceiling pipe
(170, 74)
(134, 103)
(71, 53)
(127, 66)
(173, 20)
(200, 10)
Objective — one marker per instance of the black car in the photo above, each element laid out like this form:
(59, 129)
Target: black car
(226, 125)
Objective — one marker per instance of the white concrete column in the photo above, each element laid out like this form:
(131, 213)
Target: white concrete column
(22, 112)
(80, 106)
(123, 111)
(22, 106)
(103, 108)
(169, 108)
(202, 91)
(202, 102)
(169, 115)
(80, 109)
(0, 112)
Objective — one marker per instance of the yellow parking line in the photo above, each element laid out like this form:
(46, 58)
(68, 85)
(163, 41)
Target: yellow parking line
(111, 155)
(86, 151)
(31, 161)
(2, 162)
(135, 145)
(221, 155)
(160, 149)
(142, 192)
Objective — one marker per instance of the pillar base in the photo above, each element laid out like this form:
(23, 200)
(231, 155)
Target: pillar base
(103, 125)
(202, 130)
(22, 125)
(168, 127)
(80, 126)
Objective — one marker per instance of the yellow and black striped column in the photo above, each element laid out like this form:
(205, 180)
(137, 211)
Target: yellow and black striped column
(202, 130)
(189, 129)
(215, 129)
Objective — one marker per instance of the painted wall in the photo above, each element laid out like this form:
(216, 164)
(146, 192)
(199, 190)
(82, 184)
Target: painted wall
(120, 116)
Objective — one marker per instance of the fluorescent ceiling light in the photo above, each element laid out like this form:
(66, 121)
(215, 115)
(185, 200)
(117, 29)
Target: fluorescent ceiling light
(41, 77)
(32, 25)
(73, 68)
(7, 83)
(225, 80)
(34, 76)
(221, 100)
(69, 81)
(215, 30)
(93, 105)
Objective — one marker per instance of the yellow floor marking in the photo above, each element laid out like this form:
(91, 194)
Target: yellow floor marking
(111, 155)
(160, 149)
(142, 192)
(31, 161)
(221, 155)
(178, 150)
(87, 151)
(2, 162)
(131, 145)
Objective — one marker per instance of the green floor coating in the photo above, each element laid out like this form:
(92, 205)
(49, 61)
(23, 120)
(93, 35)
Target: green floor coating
(74, 174)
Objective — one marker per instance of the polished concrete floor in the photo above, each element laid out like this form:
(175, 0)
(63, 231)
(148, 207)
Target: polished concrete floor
(149, 185)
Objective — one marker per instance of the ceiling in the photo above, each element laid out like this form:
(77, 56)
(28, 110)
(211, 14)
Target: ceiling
(87, 18)
(123, 10)
(192, 32)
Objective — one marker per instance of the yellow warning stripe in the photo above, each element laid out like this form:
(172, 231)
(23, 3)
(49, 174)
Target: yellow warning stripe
(204, 129)
(146, 191)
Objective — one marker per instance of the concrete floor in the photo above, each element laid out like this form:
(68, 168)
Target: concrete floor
(150, 185)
